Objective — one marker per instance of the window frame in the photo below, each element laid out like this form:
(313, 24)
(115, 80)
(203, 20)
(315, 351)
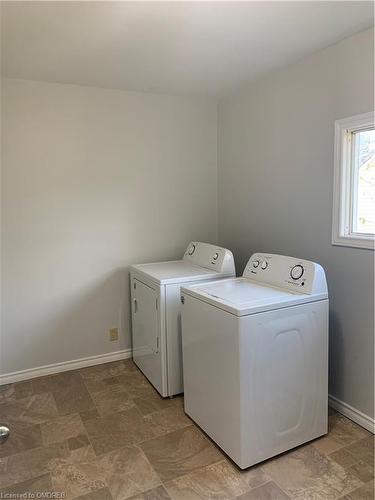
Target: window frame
(343, 183)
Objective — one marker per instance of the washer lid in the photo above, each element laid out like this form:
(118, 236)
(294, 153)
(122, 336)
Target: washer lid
(241, 296)
(175, 271)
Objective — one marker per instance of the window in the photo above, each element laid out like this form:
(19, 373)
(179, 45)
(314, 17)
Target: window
(354, 182)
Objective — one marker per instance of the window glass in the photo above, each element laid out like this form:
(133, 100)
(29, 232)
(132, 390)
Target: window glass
(363, 217)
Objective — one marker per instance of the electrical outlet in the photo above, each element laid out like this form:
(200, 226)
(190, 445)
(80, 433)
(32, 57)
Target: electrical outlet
(113, 334)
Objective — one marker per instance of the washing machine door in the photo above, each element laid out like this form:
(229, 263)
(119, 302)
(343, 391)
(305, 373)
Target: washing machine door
(145, 331)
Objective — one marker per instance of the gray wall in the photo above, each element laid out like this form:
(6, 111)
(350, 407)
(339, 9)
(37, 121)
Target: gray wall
(94, 180)
(275, 155)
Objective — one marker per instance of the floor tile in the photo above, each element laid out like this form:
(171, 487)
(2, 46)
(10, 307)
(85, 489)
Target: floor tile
(119, 430)
(305, 473)
(363, 450)
(6, 392)
(365, 492)
(180, 452)
(97, 385)
(73, 399)
(81, 449)
(62, 428)
(102, 494)
(345, 430)
(31, 410)
(69, 391)
(327, 444)
(130, 365)
(127, 472)
(36, 485)
(53, 383)
(150, 403)
(342, 432)
(76, 478)
(362, 470)
(78, 441)
(343, 457)
(221, 481)
(31, 463)
(108, 370)
(83, 454)
(252, 477)
(169, 420)
(89, 414)
(148, 400)
(136, 384)
(110, 381)
(16, 391)
(158, 493)
(23, 389)
(22, 437)
(178, 400)
(113, 399)
(268, 491)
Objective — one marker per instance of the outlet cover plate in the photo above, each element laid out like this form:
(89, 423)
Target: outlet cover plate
(113, 334)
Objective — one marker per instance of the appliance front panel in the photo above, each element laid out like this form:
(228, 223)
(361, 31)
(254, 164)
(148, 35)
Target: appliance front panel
(284, 373)
(211, 372)
(147, 353)
(174, 341)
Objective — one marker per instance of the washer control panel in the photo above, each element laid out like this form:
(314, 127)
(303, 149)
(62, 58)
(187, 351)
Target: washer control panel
(211, 257)
(301, 276)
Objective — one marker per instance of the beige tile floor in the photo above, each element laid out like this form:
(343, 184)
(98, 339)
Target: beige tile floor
(103, 433)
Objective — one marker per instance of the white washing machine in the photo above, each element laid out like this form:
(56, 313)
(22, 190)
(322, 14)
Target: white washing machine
(156, 310)
(255, 355)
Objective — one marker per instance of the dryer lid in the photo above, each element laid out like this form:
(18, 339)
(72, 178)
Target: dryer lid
(175, 271)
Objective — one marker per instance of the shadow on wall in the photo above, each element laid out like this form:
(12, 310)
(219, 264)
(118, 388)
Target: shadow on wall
(337, 349)
(70, 325)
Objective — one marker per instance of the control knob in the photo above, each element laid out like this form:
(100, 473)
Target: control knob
(264, 265)
(297, 272)
(256, 264)
(191, 250)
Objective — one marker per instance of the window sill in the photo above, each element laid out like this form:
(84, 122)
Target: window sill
(354, 242)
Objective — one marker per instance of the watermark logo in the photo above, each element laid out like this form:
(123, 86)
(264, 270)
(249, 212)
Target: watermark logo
(33, 495)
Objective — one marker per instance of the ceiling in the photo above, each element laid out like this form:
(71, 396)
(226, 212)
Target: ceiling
(171, 47)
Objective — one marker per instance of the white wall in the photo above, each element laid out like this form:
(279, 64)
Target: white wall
(92, 181)
(275, 191)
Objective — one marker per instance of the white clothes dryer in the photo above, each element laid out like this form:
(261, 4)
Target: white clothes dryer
(156, 308)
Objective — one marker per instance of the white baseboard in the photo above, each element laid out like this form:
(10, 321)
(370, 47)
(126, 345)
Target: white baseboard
(41, 371)
(352, 413)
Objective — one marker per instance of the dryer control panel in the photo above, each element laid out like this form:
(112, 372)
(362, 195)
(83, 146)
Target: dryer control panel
(211, 257)
(301, 276)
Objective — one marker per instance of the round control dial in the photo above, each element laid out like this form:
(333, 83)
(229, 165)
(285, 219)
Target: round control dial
(297, 272)
(256, 264)
(264, 264)
(216, 256)
(191, 250)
